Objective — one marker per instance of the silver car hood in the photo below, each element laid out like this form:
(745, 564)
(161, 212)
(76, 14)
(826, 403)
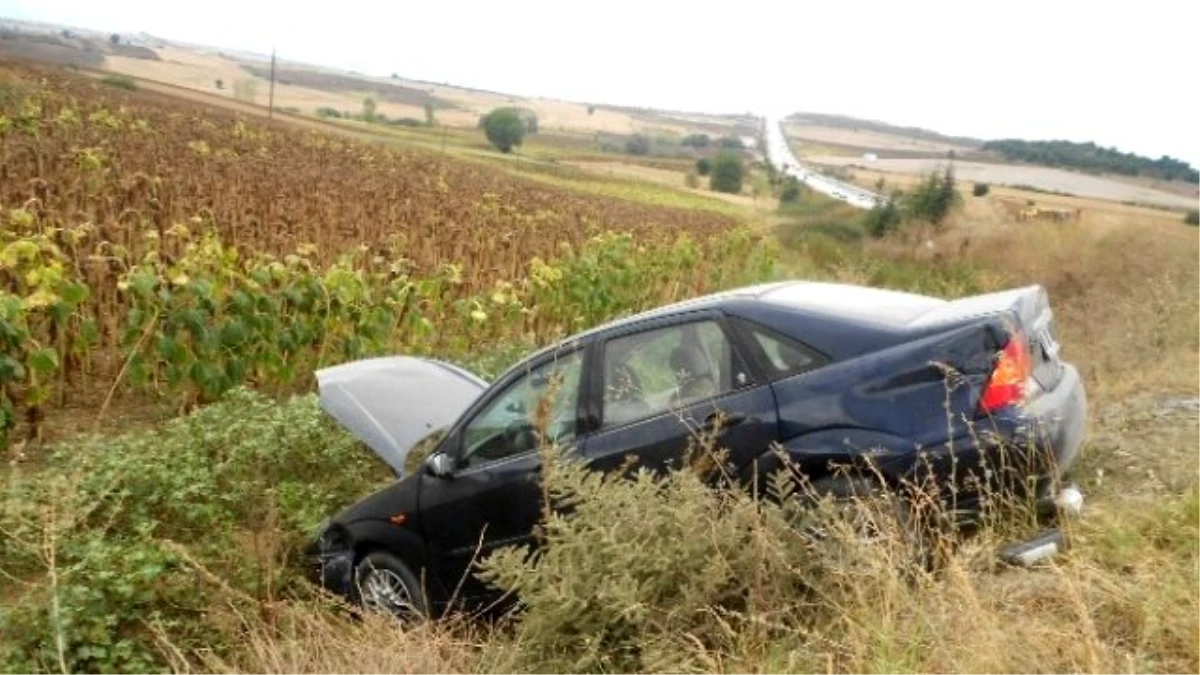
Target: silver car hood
(391, 403)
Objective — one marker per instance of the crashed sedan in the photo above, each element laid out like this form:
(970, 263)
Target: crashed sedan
(814, 376)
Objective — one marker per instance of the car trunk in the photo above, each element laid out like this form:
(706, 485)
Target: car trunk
(1029, 307)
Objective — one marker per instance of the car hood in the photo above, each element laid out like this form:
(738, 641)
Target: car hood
(391, 403)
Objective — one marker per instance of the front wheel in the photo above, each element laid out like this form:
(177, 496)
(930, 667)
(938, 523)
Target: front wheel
(384, 583)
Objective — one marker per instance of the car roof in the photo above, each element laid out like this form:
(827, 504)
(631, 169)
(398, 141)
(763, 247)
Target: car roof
(846, 306)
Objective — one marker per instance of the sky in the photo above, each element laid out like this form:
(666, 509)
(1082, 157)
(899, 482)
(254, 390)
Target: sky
(1115, 72)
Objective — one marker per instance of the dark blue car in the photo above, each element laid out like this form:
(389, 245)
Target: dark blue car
(811, 375)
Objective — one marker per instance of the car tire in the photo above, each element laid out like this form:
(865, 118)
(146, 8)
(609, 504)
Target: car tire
(383, 582)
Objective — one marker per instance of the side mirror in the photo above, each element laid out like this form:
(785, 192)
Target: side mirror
(440, 465)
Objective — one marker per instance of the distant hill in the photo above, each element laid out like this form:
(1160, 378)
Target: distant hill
(325, 81)
(855, 123)
(1092, 158)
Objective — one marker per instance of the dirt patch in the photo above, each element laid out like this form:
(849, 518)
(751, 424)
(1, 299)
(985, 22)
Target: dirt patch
(868, 139)
(1042, 178)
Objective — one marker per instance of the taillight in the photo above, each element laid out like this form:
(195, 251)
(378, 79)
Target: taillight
(1006, 386)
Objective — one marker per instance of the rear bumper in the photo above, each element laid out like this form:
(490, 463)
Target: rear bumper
(1017, 453)
(1058, 424)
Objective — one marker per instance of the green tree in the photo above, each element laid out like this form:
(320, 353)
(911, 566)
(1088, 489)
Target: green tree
(430, 120)
(638, 145)
(368, 109)
(531, 123)
(703, 166)
(934, 198)
(727, 173)
(1192, 217)
(980, 189)
(504, 128)
(790, 194)
(696, 141)
(882, 218)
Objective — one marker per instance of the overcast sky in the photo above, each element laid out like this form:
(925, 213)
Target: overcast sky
(1117, 72)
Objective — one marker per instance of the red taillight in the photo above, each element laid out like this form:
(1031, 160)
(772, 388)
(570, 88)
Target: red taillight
(1006, 386)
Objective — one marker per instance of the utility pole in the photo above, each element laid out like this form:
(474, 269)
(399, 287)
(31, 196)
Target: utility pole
(271, 91)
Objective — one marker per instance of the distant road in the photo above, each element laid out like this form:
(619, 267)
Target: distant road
(780, 155)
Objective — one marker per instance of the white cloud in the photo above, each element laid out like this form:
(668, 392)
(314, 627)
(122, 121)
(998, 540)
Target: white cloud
(1117, 73)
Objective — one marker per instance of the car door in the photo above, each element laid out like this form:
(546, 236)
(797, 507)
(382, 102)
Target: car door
(664, 383)
(493, 498)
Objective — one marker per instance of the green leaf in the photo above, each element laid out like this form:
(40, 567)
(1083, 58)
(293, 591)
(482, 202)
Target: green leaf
(74, 293)
(43, 361)
(11, 369)
(233, 334)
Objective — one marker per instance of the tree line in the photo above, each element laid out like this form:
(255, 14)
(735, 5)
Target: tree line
(1091, 157)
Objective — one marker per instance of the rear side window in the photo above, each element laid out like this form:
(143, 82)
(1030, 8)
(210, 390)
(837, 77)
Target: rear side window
(780, 354)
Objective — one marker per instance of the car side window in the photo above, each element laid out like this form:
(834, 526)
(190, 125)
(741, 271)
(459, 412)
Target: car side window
(508, 425)
(784, 356)
(658, 370)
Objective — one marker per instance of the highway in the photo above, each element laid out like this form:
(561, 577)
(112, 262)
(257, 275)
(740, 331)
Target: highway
(780, 155)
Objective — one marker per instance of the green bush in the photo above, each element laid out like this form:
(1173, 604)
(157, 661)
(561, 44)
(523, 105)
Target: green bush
(790, 194)
(120, 81)
(1192, 217)
(327, 112)
(934, 198)
(638, 144)
(504, 128)
(980, 189)
(703, 166)
(882, 219)
(696, 141)
(731, 143)
(727, 173)
(642, 568)
(124, 516)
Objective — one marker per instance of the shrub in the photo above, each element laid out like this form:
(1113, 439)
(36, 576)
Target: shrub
(696, 141)
(1192, 217)
(124, 515)
(638, 144)
(790, 194)
(327, 112)
(882, 218)
(727, 173)
(980, 189)
(703, 166)
(619, 582)
(934, 198)
(731, 143)
(504, 128)
(120, 82)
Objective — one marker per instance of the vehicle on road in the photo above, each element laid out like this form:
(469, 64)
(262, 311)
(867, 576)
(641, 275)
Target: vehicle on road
(899, 387)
